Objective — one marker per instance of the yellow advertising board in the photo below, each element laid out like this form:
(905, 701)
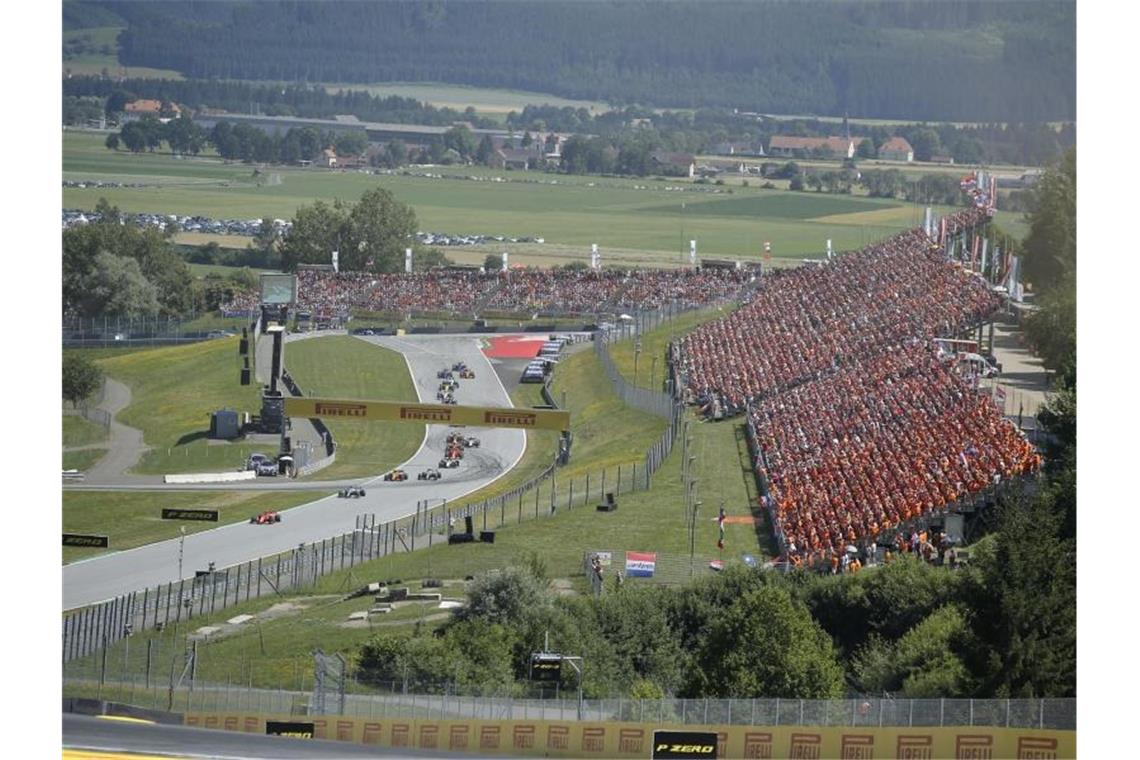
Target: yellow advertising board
(443, 414)
(571, 738)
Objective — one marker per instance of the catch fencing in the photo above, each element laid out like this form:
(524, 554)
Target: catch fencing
(211, 591)
(87, 408)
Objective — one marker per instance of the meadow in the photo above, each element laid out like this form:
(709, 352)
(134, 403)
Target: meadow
(569, 212)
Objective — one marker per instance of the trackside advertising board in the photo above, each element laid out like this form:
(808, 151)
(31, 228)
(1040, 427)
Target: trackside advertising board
(295, 729)
(682, 745)
(446, 414)
(640, 564)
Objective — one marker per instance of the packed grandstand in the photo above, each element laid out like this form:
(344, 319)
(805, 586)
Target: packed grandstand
(859, 424)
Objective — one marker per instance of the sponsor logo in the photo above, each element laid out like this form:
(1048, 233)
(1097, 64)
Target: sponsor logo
(857, 747)
(372, 733)
(332, 409)
(425, 413)
(489, 737)
(78, 539)
(973, 747)
(208, 515)
(429, 737)
(915, 748)
(757, 746)
(211, 721)
(230, 723)
(685, 744)
(344, 730)
(523, 737)
(558, 737)
(593, 739)
(401, 734)
(295, 729)
(321, 728)
(517, 419)
(458, 737)
(805, 747)
(630, 740)
(1036, 748)
(250, 725)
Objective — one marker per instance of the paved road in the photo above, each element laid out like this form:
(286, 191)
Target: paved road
(105, 577)
(87, 732)
(125, 444)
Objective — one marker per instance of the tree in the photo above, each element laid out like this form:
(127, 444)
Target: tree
(485, 150)
(506, 597)
(378, 230)
(81, 378)
(1022, 600)
(351, 143)
(493, 262)
(925, 142)
(1051, 245)
(797, 183)
(787, 654)
(317, 231)
(925, 663)
(112, 142)
(116, 286)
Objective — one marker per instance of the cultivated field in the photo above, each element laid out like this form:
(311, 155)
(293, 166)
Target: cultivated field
(570, 212)
(485, 101)
(93, 63)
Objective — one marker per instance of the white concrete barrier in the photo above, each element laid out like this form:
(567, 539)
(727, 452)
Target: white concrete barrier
(210, 477)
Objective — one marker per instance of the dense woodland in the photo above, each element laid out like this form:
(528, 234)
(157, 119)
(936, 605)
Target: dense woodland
(962, 61)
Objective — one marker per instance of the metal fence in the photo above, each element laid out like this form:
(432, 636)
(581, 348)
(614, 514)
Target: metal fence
(88, 407)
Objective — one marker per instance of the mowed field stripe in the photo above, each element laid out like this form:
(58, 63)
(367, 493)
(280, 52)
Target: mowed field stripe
(885, 216)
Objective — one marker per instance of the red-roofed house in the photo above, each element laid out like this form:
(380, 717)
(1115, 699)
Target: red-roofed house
(137, 109)
(896, 149)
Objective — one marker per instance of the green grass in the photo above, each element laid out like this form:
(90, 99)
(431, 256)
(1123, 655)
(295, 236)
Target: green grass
(78, 431)
(133, 518)
(344, 367)
(82, 459)
(485, 101)
(106, 56)
(173, 391)
(640, 369)
(577, 211)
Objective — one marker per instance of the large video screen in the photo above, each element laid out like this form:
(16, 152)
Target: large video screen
(279, 288)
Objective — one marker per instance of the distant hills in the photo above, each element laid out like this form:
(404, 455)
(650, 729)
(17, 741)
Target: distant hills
(917, 60)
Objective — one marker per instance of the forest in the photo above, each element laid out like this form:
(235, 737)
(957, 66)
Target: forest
(963, 61)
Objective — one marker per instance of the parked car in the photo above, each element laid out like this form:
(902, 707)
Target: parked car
(267, 469)
(396, 475)
(429, 474)
(255, 461)
(267, 517)
(352, 492)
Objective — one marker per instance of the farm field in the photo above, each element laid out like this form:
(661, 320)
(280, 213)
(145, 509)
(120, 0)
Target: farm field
(485, 101)
(634, 215)
(106, 56)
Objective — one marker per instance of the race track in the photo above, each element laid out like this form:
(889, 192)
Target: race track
(105, 577)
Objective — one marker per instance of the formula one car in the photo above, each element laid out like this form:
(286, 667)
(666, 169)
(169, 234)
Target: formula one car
(458, 366)
(470, 442)
(448, 398)
(429, 474)
(455, 437)
(446, 463)
(396, 475)
(448, 385)
(467, 374)
(265, 518)
(444, 374)
(454, 452)
(352, 492)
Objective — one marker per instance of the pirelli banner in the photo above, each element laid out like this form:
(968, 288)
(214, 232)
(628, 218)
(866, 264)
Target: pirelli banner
(574, 739)
(441, 414)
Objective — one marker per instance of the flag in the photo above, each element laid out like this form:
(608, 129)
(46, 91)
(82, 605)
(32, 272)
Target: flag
(720, 524)
(640, 564)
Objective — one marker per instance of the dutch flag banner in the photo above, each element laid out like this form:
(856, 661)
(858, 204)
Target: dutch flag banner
(640, 564)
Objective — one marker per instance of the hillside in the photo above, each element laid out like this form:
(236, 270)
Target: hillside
(965, 61)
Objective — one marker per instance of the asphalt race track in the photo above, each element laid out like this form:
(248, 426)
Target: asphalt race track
(126, 739)
(105, 577)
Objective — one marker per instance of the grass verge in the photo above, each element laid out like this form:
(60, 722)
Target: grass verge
(133, 518)
(79, 431)
(344, 367)
(82, 459)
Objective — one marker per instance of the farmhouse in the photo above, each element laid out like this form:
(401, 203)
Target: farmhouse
(682, 163)
(834, 147)
(137, 109)
(896, 149)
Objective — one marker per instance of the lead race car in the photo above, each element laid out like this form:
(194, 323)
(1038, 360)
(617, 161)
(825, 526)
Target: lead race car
(268, 517)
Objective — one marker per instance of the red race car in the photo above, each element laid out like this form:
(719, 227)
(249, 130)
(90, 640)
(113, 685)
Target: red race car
(265, 518)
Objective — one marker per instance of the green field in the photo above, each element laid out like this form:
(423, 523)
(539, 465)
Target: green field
(174, 389)
(344, 367)
(78, 431)
(82, 459)
(485, 101)
(616, 213)
(106, 56)
(133, 518)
